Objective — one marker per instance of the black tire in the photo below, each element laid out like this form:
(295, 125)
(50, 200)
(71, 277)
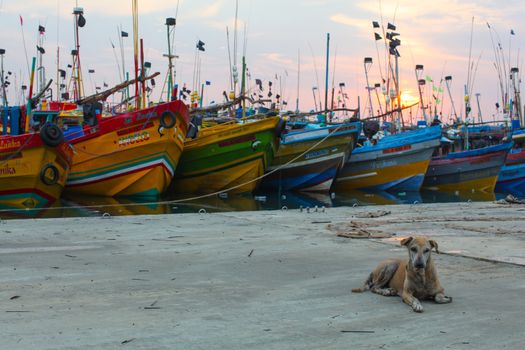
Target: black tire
(51, 135)
(168, 119)
(49, 174)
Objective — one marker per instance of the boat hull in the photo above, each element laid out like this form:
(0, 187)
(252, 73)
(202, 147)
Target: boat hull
(306, 161)
(129, 155)
(511, 178)
(468, 171)
(229, 157)
(32, 175)
(394, 166)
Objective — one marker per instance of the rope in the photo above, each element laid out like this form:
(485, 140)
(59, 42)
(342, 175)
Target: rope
(175, 201)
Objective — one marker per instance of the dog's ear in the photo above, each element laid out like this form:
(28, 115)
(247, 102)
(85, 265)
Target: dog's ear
(406, 241)
(434, 245)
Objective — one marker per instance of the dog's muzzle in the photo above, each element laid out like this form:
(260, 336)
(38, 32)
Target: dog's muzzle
(419, 265)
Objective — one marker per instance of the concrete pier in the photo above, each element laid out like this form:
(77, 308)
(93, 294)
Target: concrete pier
(259, 280)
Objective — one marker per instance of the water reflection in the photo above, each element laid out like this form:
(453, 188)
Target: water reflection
(84, 206)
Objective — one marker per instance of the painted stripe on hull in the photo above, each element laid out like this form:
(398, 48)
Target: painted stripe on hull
(465, 174)
(387, 171)
(338, 157)
(123, 172)
(306, 175)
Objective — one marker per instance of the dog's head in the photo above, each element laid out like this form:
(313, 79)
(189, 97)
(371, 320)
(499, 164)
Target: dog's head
(419, 250)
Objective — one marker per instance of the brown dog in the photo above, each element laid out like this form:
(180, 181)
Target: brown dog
(413, 279)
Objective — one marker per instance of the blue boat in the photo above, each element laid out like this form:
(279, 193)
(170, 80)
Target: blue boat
(511, 178)
(397, 162)
(308, 159)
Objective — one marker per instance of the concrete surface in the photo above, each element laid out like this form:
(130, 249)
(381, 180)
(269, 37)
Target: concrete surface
(258, 280)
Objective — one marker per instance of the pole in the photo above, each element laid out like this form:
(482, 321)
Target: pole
(298, 75)
(367, 63)
(480, 116)
(136, 51)
(142, 74)
(4, 94)
(243, 86)
(29, 107)
(326, 75)
(170, 67)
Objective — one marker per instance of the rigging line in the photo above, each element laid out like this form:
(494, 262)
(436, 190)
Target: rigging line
(24, 43)
(470, 55)
(502, 64)
(474, 73)
(496, 65)
(315, 70)
(229, 57)
(333, 77)
(441, 88)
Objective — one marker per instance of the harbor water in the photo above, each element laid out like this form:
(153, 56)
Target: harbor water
(85, 206)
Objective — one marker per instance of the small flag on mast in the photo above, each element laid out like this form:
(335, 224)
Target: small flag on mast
(200, 46)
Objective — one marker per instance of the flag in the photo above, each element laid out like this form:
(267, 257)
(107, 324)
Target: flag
(200, 46)
(428, 78)
(438, 101)
(106, 85)
(512, 32)
(41, 29)
(124, 34)
(375, 24)
(91, 71)
(21, 20)
(208, 82)
(377, 36)
(434, 88)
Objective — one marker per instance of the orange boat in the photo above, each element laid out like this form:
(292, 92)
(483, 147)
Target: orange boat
(33, 167)
(133, 154)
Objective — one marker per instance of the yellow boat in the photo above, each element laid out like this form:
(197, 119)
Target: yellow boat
(134, 154)
(33, 168)
(227, 157)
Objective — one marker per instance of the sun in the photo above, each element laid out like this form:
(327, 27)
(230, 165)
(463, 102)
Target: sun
(407, 99)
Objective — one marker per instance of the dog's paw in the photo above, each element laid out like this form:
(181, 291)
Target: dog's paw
(389, 292)
(417, 307)
(442, 299)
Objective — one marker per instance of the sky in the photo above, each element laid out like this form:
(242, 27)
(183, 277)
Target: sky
(279, 34)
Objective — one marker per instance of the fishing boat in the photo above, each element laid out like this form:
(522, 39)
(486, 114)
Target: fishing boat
(228, 157)
(511, 179)
(397, 162)
(469, 170)
(308, 159)
(133, 154)
(33, 166)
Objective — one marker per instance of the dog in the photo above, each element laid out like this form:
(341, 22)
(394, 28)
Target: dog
(413, 280)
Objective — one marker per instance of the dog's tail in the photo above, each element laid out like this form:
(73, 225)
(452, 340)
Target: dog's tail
(366, 285)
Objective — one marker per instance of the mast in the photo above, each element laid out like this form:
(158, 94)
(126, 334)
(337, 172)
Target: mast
(298, 76)
(326, 73)
(367, 64)
(4, 94)
(170, 22)
(76, 74)
(448, 79)
(421, 82)
(136, 51)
